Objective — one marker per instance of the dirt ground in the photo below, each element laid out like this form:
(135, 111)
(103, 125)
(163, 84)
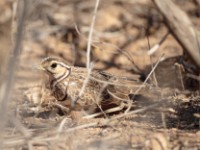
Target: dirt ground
(167, 110)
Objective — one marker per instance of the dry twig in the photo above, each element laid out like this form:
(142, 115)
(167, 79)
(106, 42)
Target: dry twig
(181, 27)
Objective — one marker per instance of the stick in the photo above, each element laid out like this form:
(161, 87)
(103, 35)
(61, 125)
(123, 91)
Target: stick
(181, 27)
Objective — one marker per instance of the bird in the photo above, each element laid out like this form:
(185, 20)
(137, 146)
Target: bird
(76, 88)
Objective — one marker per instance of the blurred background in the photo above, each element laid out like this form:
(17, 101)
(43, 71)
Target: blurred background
(124, 32)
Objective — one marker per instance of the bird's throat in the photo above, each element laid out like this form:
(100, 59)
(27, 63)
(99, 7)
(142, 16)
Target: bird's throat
(59, 78)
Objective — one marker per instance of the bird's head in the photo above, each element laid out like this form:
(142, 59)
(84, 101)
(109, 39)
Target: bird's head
(54, 67)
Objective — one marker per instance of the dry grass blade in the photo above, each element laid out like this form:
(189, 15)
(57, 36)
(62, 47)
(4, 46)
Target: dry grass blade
(139, 110)
(119, 51)
(157, 46)
(61, 126)
(144, 83)
(89, 66)
(8, 84)
(114, 30)
(193, 77)
(83, 86)
(115, 96)
(51, 136)
(147, 78)
(91, 33)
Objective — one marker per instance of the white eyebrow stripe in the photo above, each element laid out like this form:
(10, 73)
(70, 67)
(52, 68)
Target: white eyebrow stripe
(46, 58)
(64, 65)
(49, 57)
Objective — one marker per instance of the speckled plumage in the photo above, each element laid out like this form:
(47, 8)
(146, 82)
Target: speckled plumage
(66, 83)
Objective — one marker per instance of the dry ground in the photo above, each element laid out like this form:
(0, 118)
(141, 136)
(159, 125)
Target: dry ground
(120, 26)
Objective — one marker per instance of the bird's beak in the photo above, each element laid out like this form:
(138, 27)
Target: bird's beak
(40, 68)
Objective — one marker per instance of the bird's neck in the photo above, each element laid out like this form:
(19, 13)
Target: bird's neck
(59, 78)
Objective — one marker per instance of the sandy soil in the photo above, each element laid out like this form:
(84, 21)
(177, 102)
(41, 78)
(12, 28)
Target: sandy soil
(121, 26)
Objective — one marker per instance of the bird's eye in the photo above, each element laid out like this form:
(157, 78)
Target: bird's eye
(54, 65)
